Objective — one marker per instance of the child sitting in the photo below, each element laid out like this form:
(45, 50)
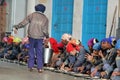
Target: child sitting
(23, 56)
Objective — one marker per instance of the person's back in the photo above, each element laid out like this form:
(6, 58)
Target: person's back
(38, 22)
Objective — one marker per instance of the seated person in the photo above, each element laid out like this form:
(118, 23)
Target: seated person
(108, 55)
(15, 49)
(92, 60)
(95, 59)
(7, 46)
(73, 58)
(23, 56)
(57, 48)
(116, 73)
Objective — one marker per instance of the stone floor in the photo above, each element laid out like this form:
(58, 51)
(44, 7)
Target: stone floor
(12, 71)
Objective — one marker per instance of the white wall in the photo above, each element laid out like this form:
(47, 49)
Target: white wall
(110, 12)
(119, 8)
(18, 14)
(8, 15)
(77, 19)
(30, 6)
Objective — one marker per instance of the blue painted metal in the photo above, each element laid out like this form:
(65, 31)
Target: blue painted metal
(94, 20)
(62, 18)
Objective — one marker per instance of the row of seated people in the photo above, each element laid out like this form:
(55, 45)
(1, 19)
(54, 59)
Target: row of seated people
(101, 60)
(13, 49)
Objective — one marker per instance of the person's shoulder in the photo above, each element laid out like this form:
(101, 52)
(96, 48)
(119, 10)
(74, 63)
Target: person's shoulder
(40, 13)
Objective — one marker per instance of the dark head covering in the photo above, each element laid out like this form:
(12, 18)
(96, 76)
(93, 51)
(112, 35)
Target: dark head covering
(26, 46)
(110, 40)
(113, 41)
(97, 46)
(40, 7)
(106, 40)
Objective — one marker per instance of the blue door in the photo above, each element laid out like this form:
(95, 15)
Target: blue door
(94, 20)
(62, 18)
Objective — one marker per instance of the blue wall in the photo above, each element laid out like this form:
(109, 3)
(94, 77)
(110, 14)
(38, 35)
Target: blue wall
(94, 20)
(62, 18)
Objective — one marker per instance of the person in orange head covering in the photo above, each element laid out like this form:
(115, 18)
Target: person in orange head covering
(57, 48)
(73, 45)
(76, 55)
(72, 51)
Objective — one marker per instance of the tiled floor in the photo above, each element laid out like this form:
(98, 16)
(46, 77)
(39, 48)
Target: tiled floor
(12, 71)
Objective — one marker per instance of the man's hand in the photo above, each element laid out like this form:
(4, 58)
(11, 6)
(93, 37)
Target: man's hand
(101, 54)
(89, 57)
(103, 74)
(116, 73)
(93, 73)
(15, 30)
(81, 68)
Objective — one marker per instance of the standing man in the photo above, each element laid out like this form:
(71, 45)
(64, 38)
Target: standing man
(37, 31)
